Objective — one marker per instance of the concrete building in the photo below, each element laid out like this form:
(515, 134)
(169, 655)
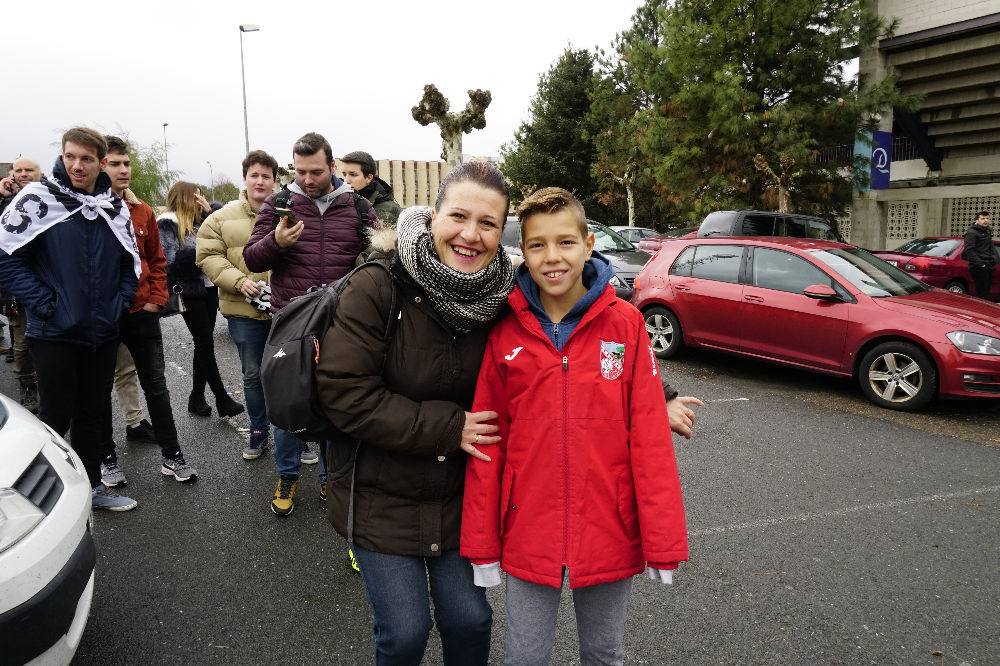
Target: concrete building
(946, 156)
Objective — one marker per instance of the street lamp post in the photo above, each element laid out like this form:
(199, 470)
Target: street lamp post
(211, 178)
(166, 154)
(245, 27)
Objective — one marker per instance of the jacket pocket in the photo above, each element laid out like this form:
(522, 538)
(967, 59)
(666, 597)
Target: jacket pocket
(507, 507)
(628, 511)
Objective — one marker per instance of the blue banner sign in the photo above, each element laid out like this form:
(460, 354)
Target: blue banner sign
(881, 160)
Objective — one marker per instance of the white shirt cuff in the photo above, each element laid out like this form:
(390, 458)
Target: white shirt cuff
(665, 576)
(486, 575)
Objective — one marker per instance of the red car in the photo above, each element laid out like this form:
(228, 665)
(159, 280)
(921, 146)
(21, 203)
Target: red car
(823, 306)
(937, 260)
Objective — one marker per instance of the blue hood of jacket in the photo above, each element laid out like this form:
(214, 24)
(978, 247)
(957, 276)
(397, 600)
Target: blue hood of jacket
(597, 272)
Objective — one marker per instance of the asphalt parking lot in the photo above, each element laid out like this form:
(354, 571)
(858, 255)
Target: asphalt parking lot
(822, 529)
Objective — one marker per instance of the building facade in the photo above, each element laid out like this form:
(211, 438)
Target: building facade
(946, 155)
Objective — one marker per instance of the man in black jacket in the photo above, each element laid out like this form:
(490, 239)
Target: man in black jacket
(68, 254)
(980, 253)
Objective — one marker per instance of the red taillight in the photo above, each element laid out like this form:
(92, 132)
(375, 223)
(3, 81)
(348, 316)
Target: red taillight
(636, 286)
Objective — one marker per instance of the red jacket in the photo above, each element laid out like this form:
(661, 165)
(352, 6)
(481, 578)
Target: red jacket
(584, 475)
(153, 279)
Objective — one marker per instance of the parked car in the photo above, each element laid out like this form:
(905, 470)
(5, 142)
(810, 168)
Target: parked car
(653, 243)
(765, 223)
(823, 306)
(625, 259)
(937, 260)
(46, 549)
(635, 234)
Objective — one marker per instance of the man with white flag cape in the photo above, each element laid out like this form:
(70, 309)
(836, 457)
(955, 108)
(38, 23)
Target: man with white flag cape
(68, 254)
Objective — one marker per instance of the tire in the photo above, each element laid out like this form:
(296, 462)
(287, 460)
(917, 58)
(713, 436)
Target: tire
(664, 332)
(898, 375)
(957, 287)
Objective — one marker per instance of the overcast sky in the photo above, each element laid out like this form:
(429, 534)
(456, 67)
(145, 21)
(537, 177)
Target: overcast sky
(350, 71)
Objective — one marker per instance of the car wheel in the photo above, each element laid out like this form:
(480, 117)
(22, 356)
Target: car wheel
(898, 375)
(664, 332)
(956, 287)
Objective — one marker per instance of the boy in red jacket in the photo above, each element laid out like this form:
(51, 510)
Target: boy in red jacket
(582, 480)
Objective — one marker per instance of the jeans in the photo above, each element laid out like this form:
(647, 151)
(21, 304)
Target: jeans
(982, 276)
(600, 622)
(250, 336)
(396, 586)
(140, 333)
(199, 317)
(288, 455)
(74, 394)
(127, 387)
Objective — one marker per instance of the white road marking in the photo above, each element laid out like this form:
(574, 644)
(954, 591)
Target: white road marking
(847, 511)
(177, 368)
(729, 400)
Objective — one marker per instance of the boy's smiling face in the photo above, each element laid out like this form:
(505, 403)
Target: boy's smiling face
(555, 252)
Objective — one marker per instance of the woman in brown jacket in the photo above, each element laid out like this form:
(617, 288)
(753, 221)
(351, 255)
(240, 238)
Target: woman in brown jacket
(395, 477)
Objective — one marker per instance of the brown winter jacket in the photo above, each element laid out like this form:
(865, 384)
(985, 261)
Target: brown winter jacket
(153, 280)
(408, 415)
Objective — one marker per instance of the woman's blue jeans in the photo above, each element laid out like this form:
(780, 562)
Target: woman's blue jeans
(396, 586)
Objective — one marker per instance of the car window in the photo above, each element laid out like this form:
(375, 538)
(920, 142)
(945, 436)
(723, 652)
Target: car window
(757, 224)
(717, 224)
(608, 240)
(795, 227)
(774, 269)
(682, 264)
(822, 231)
(868, 273)
(717, 262)
(930, 247)
(511, 233)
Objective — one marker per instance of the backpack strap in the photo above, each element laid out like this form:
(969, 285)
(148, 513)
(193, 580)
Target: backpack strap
(280, 201)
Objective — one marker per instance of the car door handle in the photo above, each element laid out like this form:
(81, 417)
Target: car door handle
(682, 287)
(750, 298)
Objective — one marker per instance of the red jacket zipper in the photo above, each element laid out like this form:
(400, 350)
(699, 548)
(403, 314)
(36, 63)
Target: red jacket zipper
(566, 497)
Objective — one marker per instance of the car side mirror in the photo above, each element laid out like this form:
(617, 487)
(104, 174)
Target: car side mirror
(821, 292)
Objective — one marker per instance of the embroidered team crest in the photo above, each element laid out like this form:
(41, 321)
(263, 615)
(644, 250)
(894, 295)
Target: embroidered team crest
(612, 359)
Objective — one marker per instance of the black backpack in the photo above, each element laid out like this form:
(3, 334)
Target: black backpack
(291, 354)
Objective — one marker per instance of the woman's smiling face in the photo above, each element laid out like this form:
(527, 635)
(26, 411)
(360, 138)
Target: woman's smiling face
(466, 228)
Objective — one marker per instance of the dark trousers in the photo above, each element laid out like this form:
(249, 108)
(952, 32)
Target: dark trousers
(982, 276)
(140, 332)
(74, 394)
(200, 318)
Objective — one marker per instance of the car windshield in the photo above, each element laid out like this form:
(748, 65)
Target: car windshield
(609, 240)
(868, 273)
(930, 247)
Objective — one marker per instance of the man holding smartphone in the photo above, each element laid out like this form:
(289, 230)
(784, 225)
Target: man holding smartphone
(314, 241)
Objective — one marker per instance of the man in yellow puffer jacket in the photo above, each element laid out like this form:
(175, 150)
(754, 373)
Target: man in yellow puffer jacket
(243, 294)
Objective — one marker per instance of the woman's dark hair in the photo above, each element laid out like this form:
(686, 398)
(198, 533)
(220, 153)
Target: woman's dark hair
(482, 173)
(261, 158)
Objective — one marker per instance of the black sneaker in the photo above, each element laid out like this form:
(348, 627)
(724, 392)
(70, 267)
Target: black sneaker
(142, 430)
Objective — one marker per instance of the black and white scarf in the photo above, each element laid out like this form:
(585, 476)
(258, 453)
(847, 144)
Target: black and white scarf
(465, 300)
(40, 206)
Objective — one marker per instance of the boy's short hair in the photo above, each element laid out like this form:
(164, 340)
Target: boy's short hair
(85, 136)
(310, 144)
(552, 200)
(366, 161)
(982, 213)
(116, 144)
(262, 158)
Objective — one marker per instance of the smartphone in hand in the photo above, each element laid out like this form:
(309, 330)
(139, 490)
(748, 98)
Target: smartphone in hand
(286, 212)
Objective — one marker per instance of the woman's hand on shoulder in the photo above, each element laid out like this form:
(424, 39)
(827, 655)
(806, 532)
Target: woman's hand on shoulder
(476, 431)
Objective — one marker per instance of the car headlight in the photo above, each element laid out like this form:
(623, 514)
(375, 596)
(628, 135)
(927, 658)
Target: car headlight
(617, 282)
(18, 517)
(974, 343)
